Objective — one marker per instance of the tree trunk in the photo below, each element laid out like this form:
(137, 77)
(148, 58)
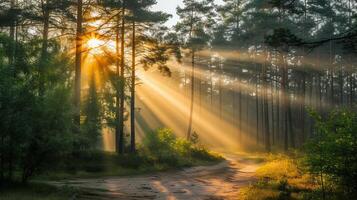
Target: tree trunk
(117, 93)
(257, 105)
(12, 61)
(266, 106)
(220, 90)
(302, 106)
(291, 130)
(240, 106)
(272, 93)
(132, 102)
(332, 84)
(234, 103)
(341, 85)
(200, 91)
(319, 88)
(278, 106)
(285, 102)
(120, 130)
(12, 36)
(351, 87)
(189, 130)
(78, 67)
(44, 53)
(211, 87)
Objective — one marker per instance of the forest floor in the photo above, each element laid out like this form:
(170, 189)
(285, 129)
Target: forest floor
(221, 181)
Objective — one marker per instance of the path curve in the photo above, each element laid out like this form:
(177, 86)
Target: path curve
(221, 181)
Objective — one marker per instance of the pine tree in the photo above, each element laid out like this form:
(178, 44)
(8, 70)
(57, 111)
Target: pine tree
(141, 17)
(91, 127)
(118, 9)
(231, 13)
(78, 64)
(195, 20)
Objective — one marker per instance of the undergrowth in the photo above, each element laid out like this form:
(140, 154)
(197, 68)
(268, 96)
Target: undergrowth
(280, 178)
(160, 150)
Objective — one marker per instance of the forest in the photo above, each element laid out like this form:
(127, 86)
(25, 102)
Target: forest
(178, 99)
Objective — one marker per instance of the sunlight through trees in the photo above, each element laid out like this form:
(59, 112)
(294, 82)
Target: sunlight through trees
(94, 79)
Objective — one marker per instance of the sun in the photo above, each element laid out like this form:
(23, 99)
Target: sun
(94, 45)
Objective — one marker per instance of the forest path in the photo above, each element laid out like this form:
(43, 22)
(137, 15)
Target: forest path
(221, 181)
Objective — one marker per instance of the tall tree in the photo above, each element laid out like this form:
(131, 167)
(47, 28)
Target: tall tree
(118, 11)
(141, 18)
(92, 123)
(78, 64)
(195, 21)
(48, 7)
(121, 90)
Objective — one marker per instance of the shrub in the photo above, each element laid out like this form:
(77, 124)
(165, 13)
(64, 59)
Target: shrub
(35, 124)
(164, 147)
(159, 147)
(331, 153)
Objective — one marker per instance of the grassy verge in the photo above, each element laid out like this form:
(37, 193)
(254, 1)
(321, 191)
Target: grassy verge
(104, 164)
(160, 151)
(99, 164)
(280, 178)
(35, 192)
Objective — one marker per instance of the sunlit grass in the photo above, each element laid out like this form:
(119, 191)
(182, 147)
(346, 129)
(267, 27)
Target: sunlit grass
(279, 167)
(281, 177)
(255, 193)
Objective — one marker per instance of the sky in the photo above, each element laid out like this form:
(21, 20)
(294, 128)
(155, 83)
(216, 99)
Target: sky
(169, 6)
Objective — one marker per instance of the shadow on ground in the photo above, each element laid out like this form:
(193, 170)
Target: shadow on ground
(221, 181)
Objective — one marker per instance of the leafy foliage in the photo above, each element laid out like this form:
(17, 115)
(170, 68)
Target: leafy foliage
(34, 130)
(196, 21)
(92, 125)
(282, 37)
(160, 150)
(331, 153)
(164, 147)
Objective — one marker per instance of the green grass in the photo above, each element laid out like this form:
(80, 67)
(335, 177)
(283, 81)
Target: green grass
(35, 192)
(109, 164)
(160, 151)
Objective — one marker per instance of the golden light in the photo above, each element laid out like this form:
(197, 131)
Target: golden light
(94, 45)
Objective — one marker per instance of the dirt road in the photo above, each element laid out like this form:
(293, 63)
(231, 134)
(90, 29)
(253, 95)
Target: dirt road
(221, 181)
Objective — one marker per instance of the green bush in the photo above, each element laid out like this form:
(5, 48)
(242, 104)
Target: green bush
(35, 123)
(164, 147)
(159, 147)
(160, 150)
(331, 153)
